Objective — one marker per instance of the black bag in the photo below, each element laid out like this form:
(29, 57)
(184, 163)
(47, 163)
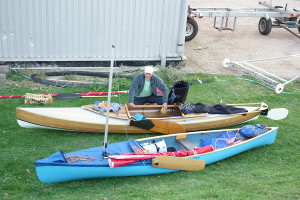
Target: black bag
(178, 92)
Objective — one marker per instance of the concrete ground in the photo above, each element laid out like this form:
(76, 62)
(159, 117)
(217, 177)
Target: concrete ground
(206, 52)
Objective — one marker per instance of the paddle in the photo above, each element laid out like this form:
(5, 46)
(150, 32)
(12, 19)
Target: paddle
(179, 163)
(159, 126)
(277, 113)
(69, 96)
(54, 95)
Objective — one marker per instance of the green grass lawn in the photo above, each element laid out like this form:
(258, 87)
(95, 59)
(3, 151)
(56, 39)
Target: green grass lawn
(269, 172)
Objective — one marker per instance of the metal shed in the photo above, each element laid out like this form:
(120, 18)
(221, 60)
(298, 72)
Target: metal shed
(84, 30)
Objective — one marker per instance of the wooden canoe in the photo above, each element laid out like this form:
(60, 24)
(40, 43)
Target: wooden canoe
(87, 120)
(89, 163)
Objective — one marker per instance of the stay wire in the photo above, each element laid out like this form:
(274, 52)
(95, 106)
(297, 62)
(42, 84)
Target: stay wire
(123, 121)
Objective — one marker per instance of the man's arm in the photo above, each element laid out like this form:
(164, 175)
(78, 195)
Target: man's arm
(134, 87)
(159, 83)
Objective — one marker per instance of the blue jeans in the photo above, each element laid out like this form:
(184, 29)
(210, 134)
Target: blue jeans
(151, 99)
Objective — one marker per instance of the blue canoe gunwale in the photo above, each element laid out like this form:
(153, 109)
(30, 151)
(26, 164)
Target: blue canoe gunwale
(61, 173)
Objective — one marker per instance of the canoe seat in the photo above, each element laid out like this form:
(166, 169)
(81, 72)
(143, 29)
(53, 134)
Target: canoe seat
(185, 142)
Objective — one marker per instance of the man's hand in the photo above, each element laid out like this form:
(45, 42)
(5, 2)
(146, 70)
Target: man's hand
(131, 105)
(164, 109)
(165, 106)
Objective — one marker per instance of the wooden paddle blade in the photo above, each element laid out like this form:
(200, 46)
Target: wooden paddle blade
(178, 163)
(166, 127)
(159, 126)
(278, 113)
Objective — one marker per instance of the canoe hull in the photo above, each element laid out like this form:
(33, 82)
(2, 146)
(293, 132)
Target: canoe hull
(79, 119)
(51, 174)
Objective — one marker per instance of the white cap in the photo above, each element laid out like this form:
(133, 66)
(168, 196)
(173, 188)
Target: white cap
(149, 70)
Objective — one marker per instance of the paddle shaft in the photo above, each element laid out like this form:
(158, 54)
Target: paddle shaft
(87, 96)
(54, 95)
(69, 96)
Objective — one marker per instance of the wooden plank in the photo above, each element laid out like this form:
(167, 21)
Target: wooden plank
(159, 126)
(178, 163)
(187, 144)
(167, 127)
(195, 115)
(127, 112)
(181, 137)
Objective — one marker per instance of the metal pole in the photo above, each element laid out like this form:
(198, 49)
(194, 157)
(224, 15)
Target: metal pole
(265, 72)
(273, 58)
(252, 73)
(112, 54)
(291, 80)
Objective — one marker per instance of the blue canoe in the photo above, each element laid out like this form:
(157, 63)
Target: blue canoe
(88, 164)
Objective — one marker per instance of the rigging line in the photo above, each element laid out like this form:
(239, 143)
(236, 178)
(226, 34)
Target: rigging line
(123, 121)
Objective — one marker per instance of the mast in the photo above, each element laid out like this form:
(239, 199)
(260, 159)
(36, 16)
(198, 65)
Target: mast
(112, 56)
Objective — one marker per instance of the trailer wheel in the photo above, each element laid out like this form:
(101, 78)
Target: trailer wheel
(265, 26)
(191, 29)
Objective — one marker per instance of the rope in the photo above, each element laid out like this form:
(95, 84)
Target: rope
(71, 159)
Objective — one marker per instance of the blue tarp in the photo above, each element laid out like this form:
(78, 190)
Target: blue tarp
(226, 138)
(96, 152)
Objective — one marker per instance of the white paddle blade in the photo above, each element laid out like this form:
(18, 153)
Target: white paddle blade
(278, 113)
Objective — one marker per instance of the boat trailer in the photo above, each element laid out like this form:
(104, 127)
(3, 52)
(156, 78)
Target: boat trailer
(284, 17)
(246, 67)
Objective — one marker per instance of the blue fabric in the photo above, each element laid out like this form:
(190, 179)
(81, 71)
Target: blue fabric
(139, 117)
(58, 157)
(225, 139)
(253, 131)
(172, 97)
(96, 152)
(135, 145)
(114, 107)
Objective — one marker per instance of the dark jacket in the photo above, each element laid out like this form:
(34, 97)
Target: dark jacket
(158, 87)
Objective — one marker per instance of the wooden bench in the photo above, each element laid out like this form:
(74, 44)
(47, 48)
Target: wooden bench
(185, 142)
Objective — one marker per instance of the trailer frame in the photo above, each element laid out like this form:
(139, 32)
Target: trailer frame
(284, 17)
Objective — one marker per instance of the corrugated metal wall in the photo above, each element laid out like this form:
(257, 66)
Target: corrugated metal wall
(63, 30)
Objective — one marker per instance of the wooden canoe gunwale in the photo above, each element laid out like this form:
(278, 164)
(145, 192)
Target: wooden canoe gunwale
(191, 116)
(37, 118)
